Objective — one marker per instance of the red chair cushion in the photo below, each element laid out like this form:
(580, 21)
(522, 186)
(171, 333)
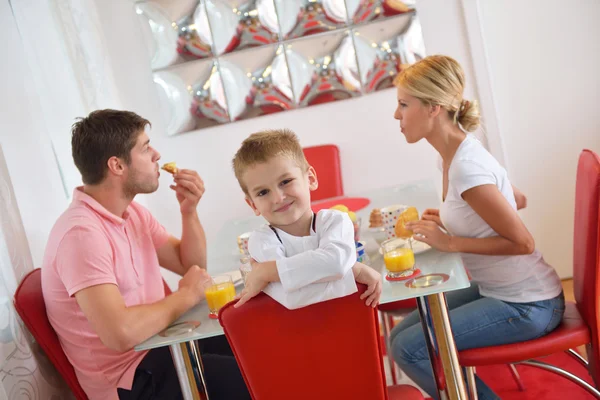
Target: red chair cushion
(29, 303)
(353, 203)
(325, 160)
(572, 332)
(404, 392)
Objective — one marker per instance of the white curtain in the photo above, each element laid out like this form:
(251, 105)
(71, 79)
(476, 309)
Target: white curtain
(25, 371)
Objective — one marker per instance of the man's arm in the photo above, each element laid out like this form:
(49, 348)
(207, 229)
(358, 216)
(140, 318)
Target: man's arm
(121, 328)
(178, 255)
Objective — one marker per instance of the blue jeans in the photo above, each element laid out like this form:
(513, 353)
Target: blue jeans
(476, 321)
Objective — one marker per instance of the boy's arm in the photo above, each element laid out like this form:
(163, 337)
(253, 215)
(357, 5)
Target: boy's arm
(265, 246)
(330, 262)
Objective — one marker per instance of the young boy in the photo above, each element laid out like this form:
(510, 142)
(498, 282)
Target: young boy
(300, 258)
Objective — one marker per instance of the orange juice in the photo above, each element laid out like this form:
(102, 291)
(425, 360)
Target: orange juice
(398, 260)
(218, 295)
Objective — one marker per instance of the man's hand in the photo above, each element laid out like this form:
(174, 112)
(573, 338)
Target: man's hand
(256, 281)
(194, 282)
(189, 188)
(433, 214)
(368, 276)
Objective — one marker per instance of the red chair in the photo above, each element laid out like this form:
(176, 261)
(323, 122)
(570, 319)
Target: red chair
(329, 350)
(580, 324)
(29, 303)
(388, 311)
(325, 160)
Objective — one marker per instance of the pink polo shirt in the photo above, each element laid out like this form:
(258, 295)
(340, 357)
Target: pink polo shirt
(90, 246)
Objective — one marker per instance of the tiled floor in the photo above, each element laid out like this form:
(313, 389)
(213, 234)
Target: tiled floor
(403, 379)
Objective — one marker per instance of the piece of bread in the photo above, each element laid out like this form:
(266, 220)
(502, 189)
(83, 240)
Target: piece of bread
(408, 215)
(170, 167)
(375, 219)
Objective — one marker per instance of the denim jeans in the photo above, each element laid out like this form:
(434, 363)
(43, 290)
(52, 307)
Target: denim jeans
(476, 321)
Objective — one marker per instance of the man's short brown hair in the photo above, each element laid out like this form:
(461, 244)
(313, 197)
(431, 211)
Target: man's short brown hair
(262, 146)
(101, 135)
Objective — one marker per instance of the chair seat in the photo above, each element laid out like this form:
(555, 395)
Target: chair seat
(572, 332)
(404, 392)
(400, 304)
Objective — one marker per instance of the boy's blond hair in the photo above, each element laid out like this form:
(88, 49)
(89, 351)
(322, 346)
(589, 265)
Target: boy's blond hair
(262, 146)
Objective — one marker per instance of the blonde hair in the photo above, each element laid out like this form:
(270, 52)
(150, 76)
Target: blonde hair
(262, 146)
(440, 80)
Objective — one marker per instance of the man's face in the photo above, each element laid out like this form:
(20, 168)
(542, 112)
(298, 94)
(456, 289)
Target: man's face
(143, 171)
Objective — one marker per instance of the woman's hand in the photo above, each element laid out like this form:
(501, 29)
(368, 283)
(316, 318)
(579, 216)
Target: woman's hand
(429, 232)
(433, 214)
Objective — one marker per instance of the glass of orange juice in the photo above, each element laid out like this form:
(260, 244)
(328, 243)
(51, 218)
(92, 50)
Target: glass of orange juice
(399, 258)
(218, 291)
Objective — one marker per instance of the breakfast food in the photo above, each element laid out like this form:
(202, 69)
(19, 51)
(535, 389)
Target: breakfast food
(170, 167)
(340, 207)
(408, 215)
(353, 217)
(375, 219)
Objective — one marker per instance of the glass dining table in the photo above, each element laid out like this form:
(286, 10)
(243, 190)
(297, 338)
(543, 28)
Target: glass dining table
(440, 273)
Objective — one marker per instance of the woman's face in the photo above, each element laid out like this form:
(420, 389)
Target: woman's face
(414, 116)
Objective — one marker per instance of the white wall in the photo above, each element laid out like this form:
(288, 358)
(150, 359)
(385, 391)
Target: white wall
(544, 58)
(117, 75)
(373, 151)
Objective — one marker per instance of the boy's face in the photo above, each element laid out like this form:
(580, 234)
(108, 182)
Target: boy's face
(279, 190)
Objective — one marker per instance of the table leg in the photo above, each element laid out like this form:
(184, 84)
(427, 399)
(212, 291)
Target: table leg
(442, 349)
(186, 357)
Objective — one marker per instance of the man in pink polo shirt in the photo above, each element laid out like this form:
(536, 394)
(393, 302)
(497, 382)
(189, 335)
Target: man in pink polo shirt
(101, 278)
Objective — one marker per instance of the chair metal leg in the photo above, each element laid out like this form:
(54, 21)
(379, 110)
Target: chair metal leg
(565, 374)
(388, 321)
(471, 385)
(578, 357)
(516, 377)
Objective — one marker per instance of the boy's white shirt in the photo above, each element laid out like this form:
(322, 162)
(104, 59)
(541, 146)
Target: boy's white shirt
(312, 268)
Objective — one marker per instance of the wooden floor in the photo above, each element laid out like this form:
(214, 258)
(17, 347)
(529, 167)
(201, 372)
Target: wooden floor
(567, 285)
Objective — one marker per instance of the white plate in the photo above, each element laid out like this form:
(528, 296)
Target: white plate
(418, 247)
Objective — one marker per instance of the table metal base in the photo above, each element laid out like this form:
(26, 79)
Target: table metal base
(188, 363)
(444, 358)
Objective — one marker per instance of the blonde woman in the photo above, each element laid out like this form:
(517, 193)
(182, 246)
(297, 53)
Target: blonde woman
(515, 295)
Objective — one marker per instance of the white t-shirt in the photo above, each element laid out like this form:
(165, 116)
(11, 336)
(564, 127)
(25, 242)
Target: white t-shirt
(520, 279)
(312, 268)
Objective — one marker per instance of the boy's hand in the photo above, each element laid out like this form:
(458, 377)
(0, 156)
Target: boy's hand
(368, 276)
(256, 281)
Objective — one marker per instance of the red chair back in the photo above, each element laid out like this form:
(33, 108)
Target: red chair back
(328, 350)
(586, 255)
(30, 305)
(325, 160)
